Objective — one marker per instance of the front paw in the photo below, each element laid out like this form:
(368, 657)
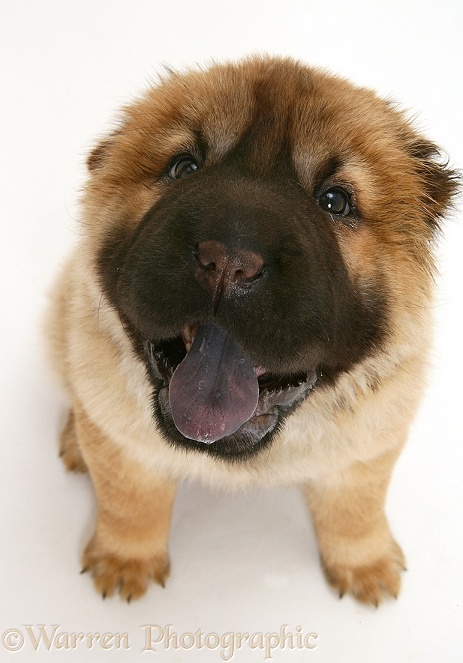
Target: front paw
(130, 577)
(369, 582)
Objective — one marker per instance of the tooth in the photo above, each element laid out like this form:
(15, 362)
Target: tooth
(188, 335)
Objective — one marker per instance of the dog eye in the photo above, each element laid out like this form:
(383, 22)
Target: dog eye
(182, 166)
(336, 201)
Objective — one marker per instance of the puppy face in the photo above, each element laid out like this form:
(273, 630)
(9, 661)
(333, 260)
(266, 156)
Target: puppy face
(262, 229)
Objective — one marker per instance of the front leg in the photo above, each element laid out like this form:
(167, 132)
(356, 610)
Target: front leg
(129, 546)
(357, 550)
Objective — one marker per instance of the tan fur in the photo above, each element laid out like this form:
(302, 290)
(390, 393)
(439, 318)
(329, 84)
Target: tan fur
(129, 546)
(341, 443)
(357, 549)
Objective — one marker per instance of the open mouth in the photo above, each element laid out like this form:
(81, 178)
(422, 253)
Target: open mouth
(211, 391)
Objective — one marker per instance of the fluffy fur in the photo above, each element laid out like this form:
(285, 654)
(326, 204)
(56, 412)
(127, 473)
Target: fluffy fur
(344, 297)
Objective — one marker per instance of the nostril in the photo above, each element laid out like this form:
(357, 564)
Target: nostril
(248, 267)
(211, 255)
(207, 266)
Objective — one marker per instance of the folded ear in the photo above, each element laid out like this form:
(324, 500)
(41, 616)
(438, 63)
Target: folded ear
(440, 183)
(98, 155)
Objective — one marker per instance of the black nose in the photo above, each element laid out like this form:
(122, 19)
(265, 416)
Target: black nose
(223, 270)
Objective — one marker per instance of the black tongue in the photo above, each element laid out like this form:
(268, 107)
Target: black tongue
(214, 390)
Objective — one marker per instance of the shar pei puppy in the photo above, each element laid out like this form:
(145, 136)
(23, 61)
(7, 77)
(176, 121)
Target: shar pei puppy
(249, 305)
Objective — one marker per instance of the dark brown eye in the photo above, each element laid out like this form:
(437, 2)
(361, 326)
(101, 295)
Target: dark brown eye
(182, 166)
(336, 201)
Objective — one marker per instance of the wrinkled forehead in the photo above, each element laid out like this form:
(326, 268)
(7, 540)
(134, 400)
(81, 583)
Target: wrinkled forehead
(269, 112)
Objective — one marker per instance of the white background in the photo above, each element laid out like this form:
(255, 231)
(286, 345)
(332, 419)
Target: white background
(246, 563)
